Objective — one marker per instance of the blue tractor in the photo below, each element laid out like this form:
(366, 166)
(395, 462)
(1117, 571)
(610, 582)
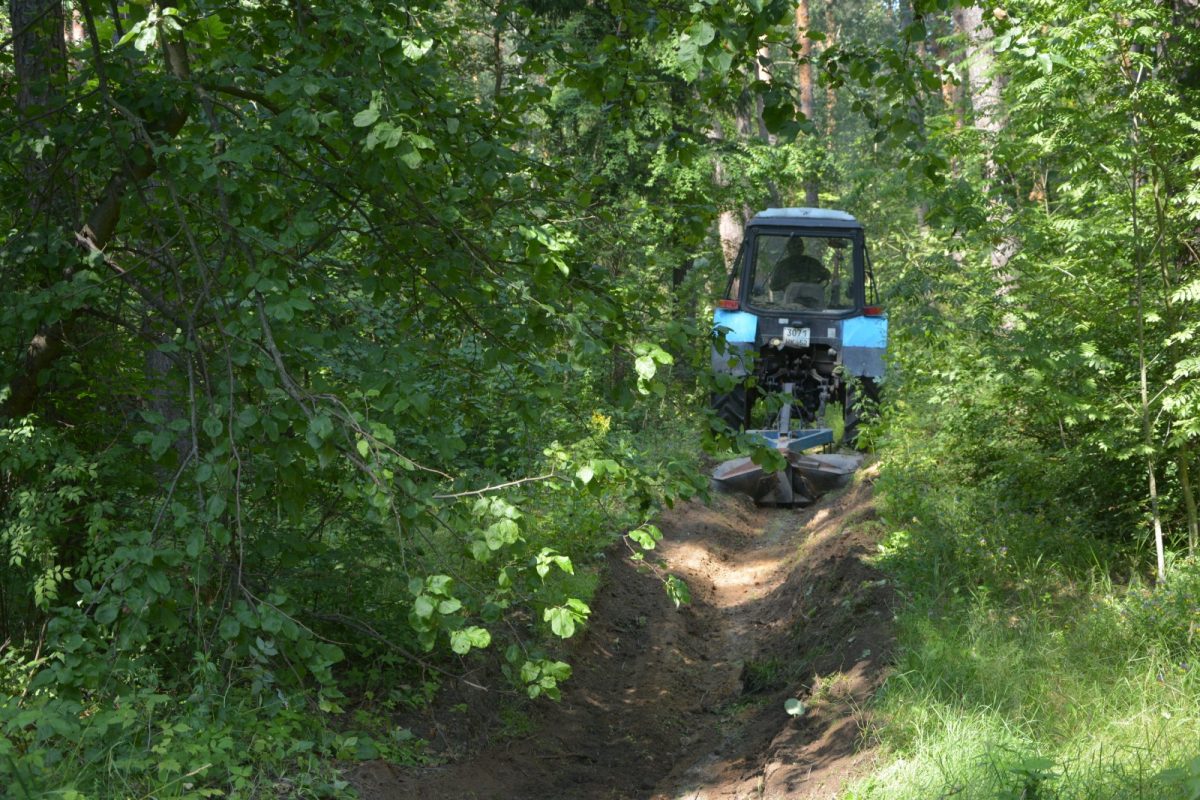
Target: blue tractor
(802, 328)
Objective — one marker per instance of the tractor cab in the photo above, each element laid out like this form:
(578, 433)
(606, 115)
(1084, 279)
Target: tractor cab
(800, 316)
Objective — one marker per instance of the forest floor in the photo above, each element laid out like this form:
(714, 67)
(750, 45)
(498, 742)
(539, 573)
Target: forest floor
(667, 703)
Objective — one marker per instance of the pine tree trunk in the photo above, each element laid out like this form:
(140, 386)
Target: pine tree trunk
(498, 57)
(804, 78)
(1187, 12)
(831, 37)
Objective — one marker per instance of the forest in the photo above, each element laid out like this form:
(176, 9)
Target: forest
(346, 347)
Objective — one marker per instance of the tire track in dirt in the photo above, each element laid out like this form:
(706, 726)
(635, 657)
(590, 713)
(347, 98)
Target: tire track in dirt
(668, 704)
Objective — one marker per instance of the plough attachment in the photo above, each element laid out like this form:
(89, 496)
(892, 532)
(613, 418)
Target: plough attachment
(805, 478)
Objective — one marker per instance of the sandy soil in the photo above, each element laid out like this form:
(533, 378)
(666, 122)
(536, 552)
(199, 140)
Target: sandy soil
(670, 704)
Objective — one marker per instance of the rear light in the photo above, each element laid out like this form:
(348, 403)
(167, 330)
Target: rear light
(873, 311)
(729, 305)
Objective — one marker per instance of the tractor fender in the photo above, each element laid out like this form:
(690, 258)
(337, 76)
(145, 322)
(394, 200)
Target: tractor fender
(732, 356)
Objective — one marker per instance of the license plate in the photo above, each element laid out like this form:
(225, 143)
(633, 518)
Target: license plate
(795, 337)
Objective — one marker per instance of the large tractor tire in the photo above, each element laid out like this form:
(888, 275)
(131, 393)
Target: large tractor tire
(733, 407)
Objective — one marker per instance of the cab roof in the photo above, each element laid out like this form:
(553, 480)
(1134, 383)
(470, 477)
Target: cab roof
(805, 218)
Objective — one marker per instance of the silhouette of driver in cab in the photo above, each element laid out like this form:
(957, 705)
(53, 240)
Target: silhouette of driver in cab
(796, 267)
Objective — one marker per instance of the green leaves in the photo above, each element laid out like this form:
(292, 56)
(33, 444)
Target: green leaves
(144, 33)
(564, 618)
(212, 426)
(646, 537)
(367, 117)
(502, 532)
(597, 471)
(461, 641)
(542, 676)
(357, 292)
(414, 49)
(230, 628)
(702, 33)
(549, 557)
(677, 590)
(435, 607)
(649, 358)
(320, 428)
(423, 607)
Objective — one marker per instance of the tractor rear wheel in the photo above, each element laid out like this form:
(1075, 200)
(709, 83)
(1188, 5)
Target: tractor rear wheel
(733, 407)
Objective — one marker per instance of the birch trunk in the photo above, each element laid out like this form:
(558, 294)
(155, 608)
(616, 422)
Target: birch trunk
(730, 228)
(762, 72)
(987, 108)
(1145, 405)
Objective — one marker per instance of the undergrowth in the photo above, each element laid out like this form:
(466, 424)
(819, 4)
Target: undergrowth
(80, 718)
(1034, 660)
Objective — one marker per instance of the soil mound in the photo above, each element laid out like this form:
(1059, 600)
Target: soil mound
(667, 704)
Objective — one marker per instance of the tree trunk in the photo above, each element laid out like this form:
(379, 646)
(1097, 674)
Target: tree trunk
(39, 52)
(917, 106)
(1183, 457)
(1145, 407)
(762, 73)
(831, 36)
(40, 56)
(75, 33)
(952, 88)
(40, 64)
(804, 78)
(985, 90)
(730, 229)
(987, 118)
(498, 57)
(1187, 12)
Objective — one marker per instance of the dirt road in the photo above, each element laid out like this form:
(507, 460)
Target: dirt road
(670, 704)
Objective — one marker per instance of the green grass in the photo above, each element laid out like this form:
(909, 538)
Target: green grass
(987, 701)
(1023, 669)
